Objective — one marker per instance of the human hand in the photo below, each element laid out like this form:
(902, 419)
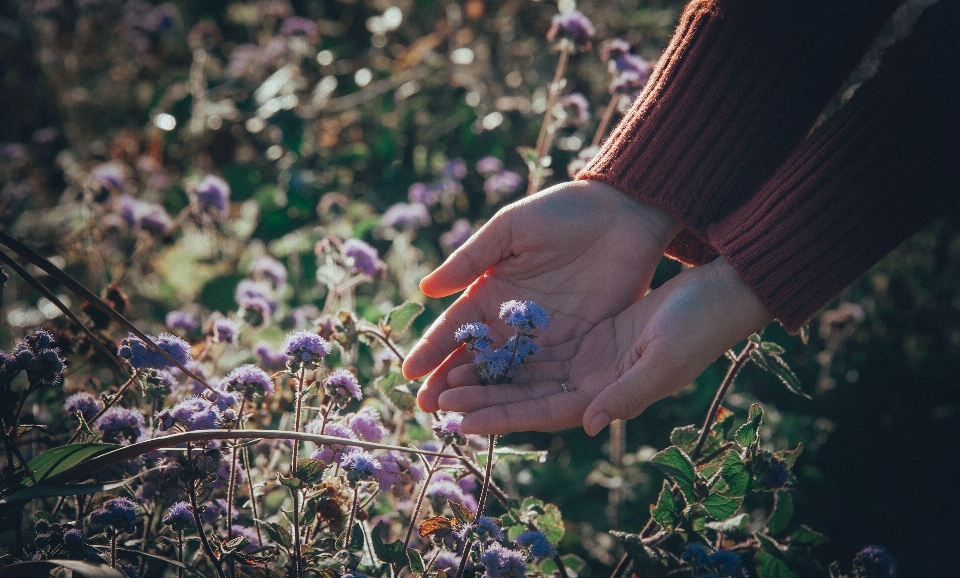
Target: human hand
(582, 250)
(627, 362)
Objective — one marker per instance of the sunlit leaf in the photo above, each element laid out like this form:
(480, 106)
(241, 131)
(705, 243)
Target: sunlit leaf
(461, 512)
(665, 510)
(735, 474)
(394, 386)
(57, 460)
(781, 514)
(677, 466)
(439, 525)
(416, 562)
(749, 433)
(722, 507)
(389, 553)
(400, 318)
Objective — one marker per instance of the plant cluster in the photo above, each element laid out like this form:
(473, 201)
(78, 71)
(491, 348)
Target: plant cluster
(213, 260)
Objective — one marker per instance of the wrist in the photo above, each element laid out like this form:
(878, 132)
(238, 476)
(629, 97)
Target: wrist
(661, 223)
(752, 312)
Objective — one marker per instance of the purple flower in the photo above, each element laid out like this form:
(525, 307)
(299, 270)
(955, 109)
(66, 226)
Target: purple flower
(342, 386)
(142, 215)
(365, 258)
(537, 542)
(359, 465)
(501, 562)
(298, 25)
(82, 402)
(448, 431)
(489, 165)
(268, 355)
(404, 215)
(367, 425)
(134, 350)
(212, 194)
(182, 320)
(457, 235)
(224, 330)
(614, 49)
(249, 380)
(120, 423)
(398, 474)
(573, 25)
(875, 562)
(455, 169)
(304, 348)
(73, 539)
(38, 355)
(330, 453)
(627, 82)
(502, 183)
(258, 294)
(422, 194)
(475, 335)
(580, 103)
(525, 347)
(179, 516)
(267, 266)
(192, 413)
(486, 529)
(110, 176)
(119, 514)
(524, 315)
(494, 365)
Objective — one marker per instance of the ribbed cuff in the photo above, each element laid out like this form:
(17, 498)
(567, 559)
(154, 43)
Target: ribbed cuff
(740, 84)
(871, 176)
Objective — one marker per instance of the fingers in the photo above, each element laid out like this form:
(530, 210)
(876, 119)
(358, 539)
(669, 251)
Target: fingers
(476, 397)
(551, 413)
(437, 383)
(483, 250)
(528, 373)
(438, 342)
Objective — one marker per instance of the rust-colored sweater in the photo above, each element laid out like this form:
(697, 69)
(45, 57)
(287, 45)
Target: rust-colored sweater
(721, 138)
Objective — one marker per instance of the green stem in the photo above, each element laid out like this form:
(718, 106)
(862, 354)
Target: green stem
(298, 563)
(738, 362)
(487, 475)
(192, 492)
(353, 511)
(423, 493)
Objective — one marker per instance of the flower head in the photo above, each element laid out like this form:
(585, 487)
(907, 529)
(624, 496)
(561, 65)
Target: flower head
(330, 453)
(268, 355)
(192, 413)
(212, 194)
(475, 335)
(120, 423)
(501, 562)
(502, 183)
(614, 49)
(489, 165)
(573, 25)
(38, 355)
(119, 514)
(364, 257)
(359, 465)
(579, 103)
(179, 516)
(875, 562)
(300, 26)
(367, 425)
(269, 267)
(494, 365)
(342, 387)
(398, 474)
(448, 431)
(304, 348)
(457, 235)
(182, 320)
(249, 380)
(486, 529)
(134, 350)
(524, 315)
(538, 544)
(406, 216)
(110, 176)
(83, 403)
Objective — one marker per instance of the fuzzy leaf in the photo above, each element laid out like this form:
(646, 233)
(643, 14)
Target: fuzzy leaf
(677, 466)
(292, 483)
(310, 470)
(416, 562)
(781, 514)
(440, 525)
(772, 362)
(278, 533)
(804, 536)
(391, 553)
(665, 510)
(749, 433)
(400, 318)
(356, 539)
(722, 507)
(735, 474)
(790, 456)
(461, 513)
(395, 388)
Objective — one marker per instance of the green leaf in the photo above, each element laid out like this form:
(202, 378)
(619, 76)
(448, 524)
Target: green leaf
(735, 474)
(292, 483)
(389, 553)
(416, 562)
(772, 362)
(356, 539)
(550, 522)
(790, 456)
(665, 510)
(163, 559)
(677, 465)
(722, 507)
(395, 388)
(400, 318)
(685, 437)
(749, 433)
(770, 566)
(310, 470)
(461, 513)
(57, 460)
(571, 562)
(45, 567)
(278, 533)
(648, 562)
(781, 514)
(61, 490)
(804, 536)
(772, 347)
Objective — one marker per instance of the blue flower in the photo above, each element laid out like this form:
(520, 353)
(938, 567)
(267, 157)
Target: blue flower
(304, 348)
(875, 562)
(267, 266)
(179, 516)
(192, 413)
(359, 465)
(727, 562)
(501, 562)
(73, 539)
(613, 49)
(525, 347)
(406, 215)
(448, 431)
(182, 320)
(249, 380)
(573, 25)
(494, 365)
(487, 528)
(364, 257)
(134, 350)
(475, 335)
(697, 553)
(367, 425)
(119, 514)
(84, 403)
(342, 387)
(212, 194)
(120, 423)
(540, 547)
(524, 315)
(38, 355)
(225, 330)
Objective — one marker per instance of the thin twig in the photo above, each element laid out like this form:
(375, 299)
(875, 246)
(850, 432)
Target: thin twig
(739, 361)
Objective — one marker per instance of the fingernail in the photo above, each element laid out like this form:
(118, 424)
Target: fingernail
(599, 421)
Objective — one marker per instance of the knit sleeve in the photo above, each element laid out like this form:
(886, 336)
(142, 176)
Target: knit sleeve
(868, 178)
(740, 84)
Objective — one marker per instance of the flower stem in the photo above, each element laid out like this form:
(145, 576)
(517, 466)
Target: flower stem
(605, 120)
(231, 487)
(297, 562)
(113, 550)
(547, 129)
(353, 511)
(180, 552)
(738, 362)
(192, 492)
(487, 475)
(253, 498)
(423, 493)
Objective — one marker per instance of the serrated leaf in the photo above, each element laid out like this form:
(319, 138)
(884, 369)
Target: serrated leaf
(401, 316)
(664, 512)
(356, 539)
(416, 562)
(394, 386)
(57, 460)
(778, 367)
(310, 470)
(781, 514)
(550, 522)
(461, 513)
(389, 553)
(292, 483)
(749, 433)
(677, 466)
(238, 543)
(648, 562)
(278, 533)
(685, 437)
(22, 429)
(804, 536)
(735, 474)
(722, 507)
(440, 525)
(789, 457)
(769, 566)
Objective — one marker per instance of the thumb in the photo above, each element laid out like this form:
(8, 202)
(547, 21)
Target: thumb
(483, 250)
(648, 381)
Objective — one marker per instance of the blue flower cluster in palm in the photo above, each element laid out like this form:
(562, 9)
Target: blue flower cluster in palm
(500, 365)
